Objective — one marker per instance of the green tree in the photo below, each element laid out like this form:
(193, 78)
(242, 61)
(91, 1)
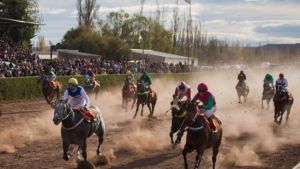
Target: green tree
(26, 10)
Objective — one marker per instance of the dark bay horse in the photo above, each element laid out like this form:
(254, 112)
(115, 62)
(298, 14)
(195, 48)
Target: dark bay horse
(283, 101)
(268, 94)
(75, 130)
(128, 94)
(200, 137)
(145, 97)
(92, 87)
(50, 90)
(178, 116)
(242, 90)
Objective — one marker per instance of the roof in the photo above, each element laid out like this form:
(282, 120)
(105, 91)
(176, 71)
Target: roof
(2, 19)
(156, 53)
(77, 53)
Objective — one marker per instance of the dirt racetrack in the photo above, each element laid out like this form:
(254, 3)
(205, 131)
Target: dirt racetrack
(30, 140)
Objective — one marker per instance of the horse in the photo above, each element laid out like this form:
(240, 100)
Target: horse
(145, 97)
(242, 90)
(268, 94)
(50, 89)
(75, 130)
(128, 94)
(199, 135)
(283, 101)
(92, 87)
(178, 116)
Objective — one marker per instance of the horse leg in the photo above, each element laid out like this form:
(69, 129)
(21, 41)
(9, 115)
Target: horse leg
(198, 158)
(133, 103)
(288, 113)
(171, 136)
(149, 107)
(83, 148)
(78, 154)
(137, 108)
(184, 152)
(262, 103)
(143, 104)
(66, 155)
(215, 152)
(100, 140)
(239, 99)
(153, 106)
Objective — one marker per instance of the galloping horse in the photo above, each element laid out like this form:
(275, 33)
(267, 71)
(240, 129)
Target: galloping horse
(92, 87)
(268, 94)
(242, 90)
(178, 116)
(282, 102)
(50, 89)
(128, 94)
(199, 136)
(75, 130)
(145, 97)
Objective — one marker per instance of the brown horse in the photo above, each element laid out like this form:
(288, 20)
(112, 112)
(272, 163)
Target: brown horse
(283, 101)
(128, 94)
(178, 116)
(242, 90)
(50, 90)
(268, 94)
(200, 136)
(144, 96)
(92, 87)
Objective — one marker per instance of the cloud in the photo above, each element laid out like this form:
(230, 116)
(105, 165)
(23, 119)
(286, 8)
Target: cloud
(285, 30)
(52, 11)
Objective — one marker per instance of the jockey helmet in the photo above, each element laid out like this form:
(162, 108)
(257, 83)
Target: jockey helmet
(73, 81)
(242, 71)
(128, 72)
(202, 87)
(182, 85)
(281, 75)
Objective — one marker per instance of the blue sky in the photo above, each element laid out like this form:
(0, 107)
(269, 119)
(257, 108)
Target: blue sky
(249, 21)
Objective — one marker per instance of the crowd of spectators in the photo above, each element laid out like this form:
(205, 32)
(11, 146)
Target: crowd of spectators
(17, 61)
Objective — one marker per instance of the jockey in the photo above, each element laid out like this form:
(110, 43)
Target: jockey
(241, 77)
(80, 99)
(49, 74)
(268, 78)
(182, 90)
(208, 103)
(281, 82)
(89, 75)
(146, 80)
(129, 78)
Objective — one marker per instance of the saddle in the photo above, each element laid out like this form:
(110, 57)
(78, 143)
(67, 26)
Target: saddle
(88, 114)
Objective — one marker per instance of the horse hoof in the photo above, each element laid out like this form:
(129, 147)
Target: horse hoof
(66, 158)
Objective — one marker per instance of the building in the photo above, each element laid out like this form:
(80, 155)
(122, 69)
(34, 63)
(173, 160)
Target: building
(156, 56)
(67, 54)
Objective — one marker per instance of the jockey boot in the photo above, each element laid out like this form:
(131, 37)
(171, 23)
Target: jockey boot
(211, 124)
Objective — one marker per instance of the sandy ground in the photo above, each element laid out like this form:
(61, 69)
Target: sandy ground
(29, 139)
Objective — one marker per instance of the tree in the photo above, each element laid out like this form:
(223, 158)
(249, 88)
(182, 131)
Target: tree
(26, 10)
(87, 13)
(41, 43)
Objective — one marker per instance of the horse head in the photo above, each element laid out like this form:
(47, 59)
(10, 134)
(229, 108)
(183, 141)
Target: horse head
(61, 111)
(178, 108)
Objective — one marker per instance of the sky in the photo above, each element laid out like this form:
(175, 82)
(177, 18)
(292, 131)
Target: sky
(252, 22)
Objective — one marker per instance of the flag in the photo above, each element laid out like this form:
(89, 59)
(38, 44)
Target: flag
(188, 1)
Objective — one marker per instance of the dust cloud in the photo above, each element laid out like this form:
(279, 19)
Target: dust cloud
(23, 131)
(248, 129)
